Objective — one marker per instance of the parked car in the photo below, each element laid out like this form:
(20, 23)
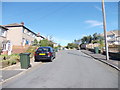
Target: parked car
(44, 53)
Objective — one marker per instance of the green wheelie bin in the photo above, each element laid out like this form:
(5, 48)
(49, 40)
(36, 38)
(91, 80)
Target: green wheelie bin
(96, 50)
(25, 60)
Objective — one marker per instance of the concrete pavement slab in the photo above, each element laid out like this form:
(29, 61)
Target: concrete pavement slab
(9, 73)
(102, 58)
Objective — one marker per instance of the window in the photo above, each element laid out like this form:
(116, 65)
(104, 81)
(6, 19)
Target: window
(4, 46)
(2, 32)
(29, 33)
(33, 35)
(43, 49)
(23, 30)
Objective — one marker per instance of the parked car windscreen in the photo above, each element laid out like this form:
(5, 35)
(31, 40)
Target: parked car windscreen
(43, 49)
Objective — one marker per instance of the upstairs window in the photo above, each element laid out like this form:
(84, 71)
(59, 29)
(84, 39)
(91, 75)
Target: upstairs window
(3, 32)
(24, 30)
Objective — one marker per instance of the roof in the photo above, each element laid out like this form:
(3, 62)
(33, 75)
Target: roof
(18, 25)
(42, 37)
(38, 35)
(22, 25)
(116, 32)
(3, 27)
(13, 25)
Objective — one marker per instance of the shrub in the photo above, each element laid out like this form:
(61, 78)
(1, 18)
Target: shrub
(31, 50)
(11, 62)
(15, 57)
(5, 63)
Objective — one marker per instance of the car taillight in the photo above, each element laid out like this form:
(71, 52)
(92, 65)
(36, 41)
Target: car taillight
(49, 54)
(35, 54)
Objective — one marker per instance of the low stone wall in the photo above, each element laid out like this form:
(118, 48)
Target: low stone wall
(114, 55)
(92, 50)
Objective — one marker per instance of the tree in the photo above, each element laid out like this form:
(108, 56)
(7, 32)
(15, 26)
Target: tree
(86, 39)
(35, 42)
(101, 44)
(95, 36)
(46, 42)
(59, 45)
(50, 43)
(72, 45)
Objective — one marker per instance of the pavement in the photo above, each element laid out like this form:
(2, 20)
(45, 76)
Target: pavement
(10, 72)
(70, 69)
(111, 62)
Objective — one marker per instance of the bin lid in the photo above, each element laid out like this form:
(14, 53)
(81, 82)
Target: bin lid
(24, 53)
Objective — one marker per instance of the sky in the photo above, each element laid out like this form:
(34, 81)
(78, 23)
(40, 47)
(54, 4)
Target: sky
(63, 21)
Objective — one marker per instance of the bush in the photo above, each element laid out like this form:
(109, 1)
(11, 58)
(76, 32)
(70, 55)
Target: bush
(6, 63)
(11, 62)
(15, 57)
(4, 57)
(31, 50)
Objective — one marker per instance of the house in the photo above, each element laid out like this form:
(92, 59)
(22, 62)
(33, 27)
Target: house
(39, 37)
(5, 44)
(55, 44)
(113, 37)
(20, 36)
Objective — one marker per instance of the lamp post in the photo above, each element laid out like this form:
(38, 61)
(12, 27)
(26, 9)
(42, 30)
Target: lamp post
(105, 34)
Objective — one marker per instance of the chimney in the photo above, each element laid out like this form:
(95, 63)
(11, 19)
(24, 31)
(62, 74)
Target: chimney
(38, 34)
(22, 23)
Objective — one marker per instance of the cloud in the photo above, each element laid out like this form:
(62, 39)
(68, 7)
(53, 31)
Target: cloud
(98, 8)
(94, 23)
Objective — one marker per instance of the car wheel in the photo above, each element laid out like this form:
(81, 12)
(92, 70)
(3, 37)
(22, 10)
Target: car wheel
(36, 60)
(50, 59)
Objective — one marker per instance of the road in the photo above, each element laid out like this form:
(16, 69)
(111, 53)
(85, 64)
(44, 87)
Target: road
(70, 69)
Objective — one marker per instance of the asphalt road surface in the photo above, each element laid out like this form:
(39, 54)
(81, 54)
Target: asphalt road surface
(70, 69)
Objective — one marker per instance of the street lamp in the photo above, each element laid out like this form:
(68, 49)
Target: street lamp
(105, 35)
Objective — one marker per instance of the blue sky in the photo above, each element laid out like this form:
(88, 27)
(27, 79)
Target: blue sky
(64, 21)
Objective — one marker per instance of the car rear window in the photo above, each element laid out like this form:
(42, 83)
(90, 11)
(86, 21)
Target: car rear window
(43, 49)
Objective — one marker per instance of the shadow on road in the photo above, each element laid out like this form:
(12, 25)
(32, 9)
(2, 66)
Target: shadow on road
(44, 61)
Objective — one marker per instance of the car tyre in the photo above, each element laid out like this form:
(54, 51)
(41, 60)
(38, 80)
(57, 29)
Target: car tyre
(50, 59)
(36, 60)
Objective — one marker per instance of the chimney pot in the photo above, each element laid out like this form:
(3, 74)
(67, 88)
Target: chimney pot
(22, 23)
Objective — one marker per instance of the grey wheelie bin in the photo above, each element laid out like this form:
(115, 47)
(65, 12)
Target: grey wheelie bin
(25, 60)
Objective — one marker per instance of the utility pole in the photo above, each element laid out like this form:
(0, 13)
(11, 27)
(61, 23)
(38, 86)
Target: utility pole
(105, 34)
